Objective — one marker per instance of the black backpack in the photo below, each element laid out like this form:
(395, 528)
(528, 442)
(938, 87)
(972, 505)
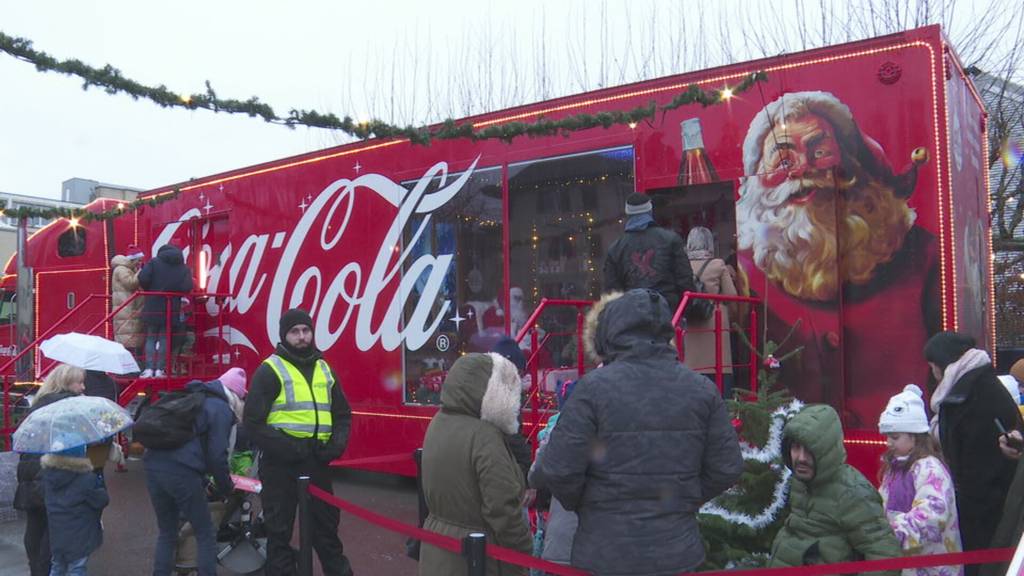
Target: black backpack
(170, 422)
(699, 310)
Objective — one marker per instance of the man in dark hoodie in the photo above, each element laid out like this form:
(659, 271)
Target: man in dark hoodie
(648, 256)
(177, 481)
(297, 415)
(642, 443)
(165, 273)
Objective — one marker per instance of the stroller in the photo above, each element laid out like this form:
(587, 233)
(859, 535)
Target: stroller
(241, 537)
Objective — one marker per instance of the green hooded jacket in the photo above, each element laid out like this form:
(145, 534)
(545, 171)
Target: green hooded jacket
(470, 479)
(838, 515)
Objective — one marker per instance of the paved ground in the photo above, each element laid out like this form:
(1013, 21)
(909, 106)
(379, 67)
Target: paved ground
(130, 528)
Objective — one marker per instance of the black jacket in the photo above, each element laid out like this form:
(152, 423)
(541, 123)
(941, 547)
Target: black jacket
(75, 499)
(652, 258)
(278, 446)
(165, 273)
(98, 383)
(207, 452)
(970, 444)
(640, 445)
(29, 493)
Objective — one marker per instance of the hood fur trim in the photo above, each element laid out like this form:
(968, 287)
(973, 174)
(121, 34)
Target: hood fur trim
(72, 463)
(590, 325)
(500, 405)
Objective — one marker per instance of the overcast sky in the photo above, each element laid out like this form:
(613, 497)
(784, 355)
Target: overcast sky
(334, 56)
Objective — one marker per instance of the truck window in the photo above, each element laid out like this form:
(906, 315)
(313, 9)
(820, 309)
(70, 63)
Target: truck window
(564, 214)
(71, 242)
(469, 227)
(7, 307)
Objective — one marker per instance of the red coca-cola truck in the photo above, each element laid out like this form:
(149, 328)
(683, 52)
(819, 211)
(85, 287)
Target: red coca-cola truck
(848, 190)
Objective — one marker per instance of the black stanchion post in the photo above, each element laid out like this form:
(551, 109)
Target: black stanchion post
(474, 548)
(305, 529)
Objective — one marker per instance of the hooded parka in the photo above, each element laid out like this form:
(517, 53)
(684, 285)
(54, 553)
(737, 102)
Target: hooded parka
(165, 273)
(124, 281)
(838, 515)
(470, 478)
(75, 499)
(640, 445)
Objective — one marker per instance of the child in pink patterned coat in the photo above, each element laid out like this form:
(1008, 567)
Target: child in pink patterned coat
(916, 487)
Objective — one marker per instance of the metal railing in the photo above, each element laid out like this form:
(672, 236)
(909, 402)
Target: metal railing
(530, 328)
(106, 323)
(718, 300)
(536, 344)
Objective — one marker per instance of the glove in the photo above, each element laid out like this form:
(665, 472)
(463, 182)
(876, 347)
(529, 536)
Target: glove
(326, 452)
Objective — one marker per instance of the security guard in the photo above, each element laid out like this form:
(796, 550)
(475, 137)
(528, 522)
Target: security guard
(297, 414)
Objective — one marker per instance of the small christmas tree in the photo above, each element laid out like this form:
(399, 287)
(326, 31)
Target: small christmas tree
(739, 525)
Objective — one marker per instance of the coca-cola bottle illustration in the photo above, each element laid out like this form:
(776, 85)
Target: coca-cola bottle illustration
(694, 166)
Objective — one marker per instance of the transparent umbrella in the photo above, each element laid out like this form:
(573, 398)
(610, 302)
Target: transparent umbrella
(70, 423)
(90, 353)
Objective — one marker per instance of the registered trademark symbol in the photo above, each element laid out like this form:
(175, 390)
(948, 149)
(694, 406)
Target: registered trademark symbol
(443, 343)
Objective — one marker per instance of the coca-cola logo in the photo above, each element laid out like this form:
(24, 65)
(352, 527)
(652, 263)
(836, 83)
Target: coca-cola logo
(345, 296)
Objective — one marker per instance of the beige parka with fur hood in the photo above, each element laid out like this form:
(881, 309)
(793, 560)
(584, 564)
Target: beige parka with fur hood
(124, 282)
(470, 478)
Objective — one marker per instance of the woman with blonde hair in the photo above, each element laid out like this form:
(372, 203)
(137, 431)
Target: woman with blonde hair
(62, 382)
(63, 378)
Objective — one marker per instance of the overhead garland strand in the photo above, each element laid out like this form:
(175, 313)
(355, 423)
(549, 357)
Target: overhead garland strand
(83, 214)
(112, 81)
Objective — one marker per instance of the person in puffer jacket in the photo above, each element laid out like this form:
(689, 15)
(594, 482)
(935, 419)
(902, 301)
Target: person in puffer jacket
(640, 445)
(75, 498)
(836, 515)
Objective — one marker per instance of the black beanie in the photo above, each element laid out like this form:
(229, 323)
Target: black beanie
(637, 203)
(945, 348)
(292, 318)
(508, 348)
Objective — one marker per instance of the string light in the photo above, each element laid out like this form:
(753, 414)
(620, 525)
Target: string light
(726, 93)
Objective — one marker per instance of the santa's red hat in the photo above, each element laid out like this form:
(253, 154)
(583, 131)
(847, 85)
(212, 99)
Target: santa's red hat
(494, 317)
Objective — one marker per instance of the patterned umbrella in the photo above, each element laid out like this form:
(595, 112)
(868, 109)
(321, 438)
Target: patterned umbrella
(70, 423)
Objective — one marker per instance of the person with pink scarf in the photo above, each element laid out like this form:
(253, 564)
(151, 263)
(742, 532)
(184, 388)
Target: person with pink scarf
(966, 403)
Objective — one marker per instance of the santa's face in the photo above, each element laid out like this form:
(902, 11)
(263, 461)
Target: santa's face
(813, 217)
(805, 147)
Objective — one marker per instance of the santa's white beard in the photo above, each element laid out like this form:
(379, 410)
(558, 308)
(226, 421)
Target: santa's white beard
(795, 245)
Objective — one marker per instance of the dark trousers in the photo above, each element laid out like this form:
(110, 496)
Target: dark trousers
(280, 499)
(37, 542)
(181, 495)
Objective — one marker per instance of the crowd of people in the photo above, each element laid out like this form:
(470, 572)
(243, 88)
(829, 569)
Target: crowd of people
(293, 411)
(141, 323)
(623, 481)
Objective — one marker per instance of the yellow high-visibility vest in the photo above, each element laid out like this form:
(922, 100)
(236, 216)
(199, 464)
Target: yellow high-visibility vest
(302, 409)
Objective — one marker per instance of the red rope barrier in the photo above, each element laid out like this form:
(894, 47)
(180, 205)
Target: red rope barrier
(514, 557)
(930, 561)
(444, 542)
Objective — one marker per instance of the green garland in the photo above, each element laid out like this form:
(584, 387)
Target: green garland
(83, 214)
(112, 81)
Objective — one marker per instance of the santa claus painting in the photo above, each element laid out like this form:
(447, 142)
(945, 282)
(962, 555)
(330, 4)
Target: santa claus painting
(827, 239)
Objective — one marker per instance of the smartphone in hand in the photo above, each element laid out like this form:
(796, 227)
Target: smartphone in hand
(1011, 441)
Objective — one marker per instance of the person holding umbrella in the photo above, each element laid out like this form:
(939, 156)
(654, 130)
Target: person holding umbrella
(73, 494)
(63, 382)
